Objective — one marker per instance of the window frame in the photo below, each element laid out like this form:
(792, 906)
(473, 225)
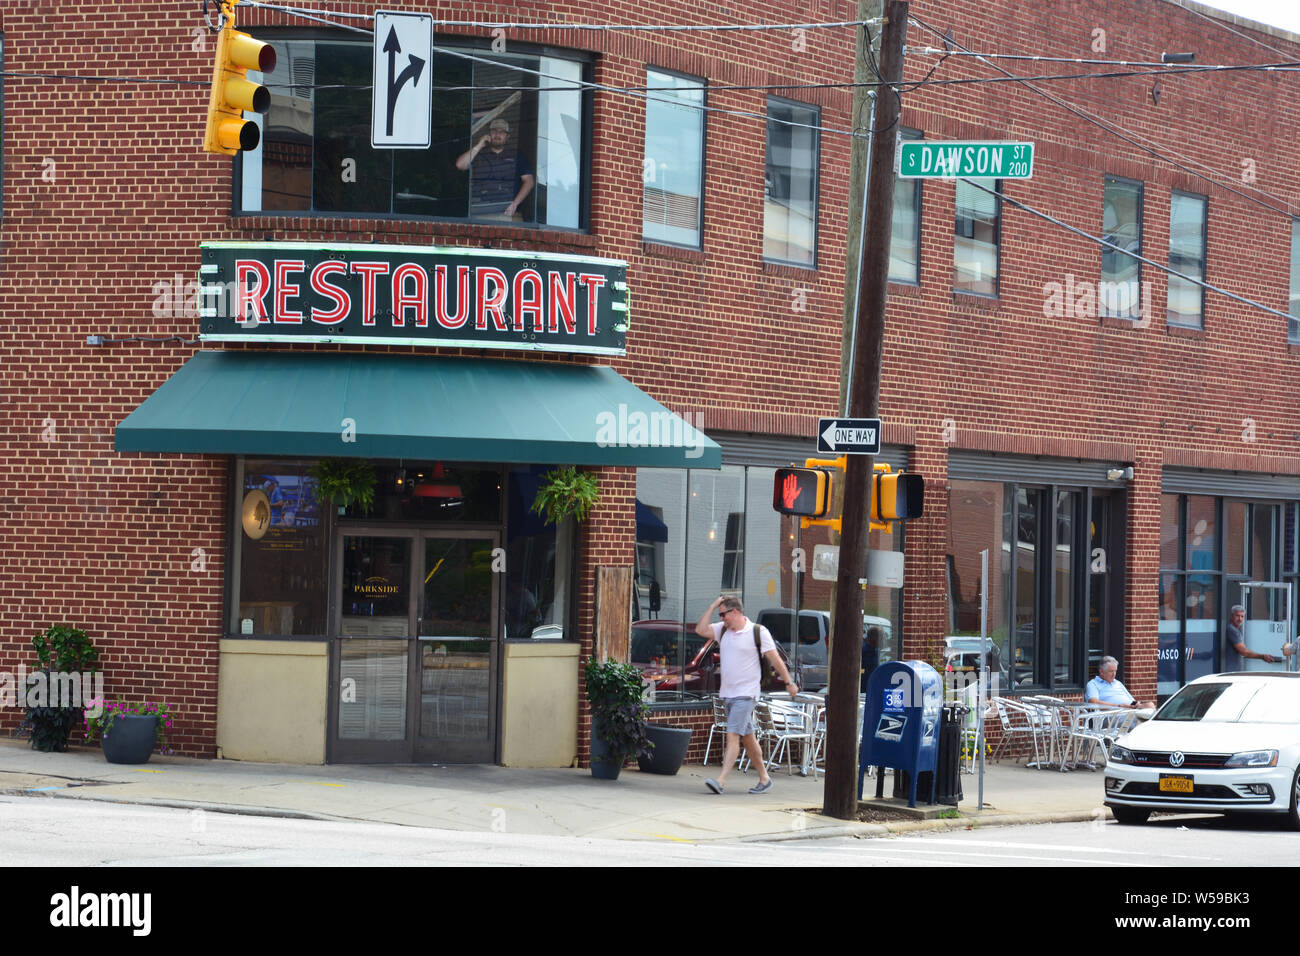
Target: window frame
(914, 135)
(1293, 326)
(704, 150)
(471, 45)
(1103, 301)
(997, 244)
(1205, 255)
(816, 179)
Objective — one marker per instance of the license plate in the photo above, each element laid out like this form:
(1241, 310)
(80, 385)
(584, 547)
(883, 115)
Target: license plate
(1172, 784)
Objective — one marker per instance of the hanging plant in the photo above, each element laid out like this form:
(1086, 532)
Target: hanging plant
(564, 492)
(345, 480)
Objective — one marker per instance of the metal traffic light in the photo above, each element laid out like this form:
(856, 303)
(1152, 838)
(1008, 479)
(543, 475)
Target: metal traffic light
(802, 491)
(896, 497)
(232, 92)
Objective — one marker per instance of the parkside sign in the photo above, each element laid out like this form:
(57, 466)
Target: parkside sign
(412, 295)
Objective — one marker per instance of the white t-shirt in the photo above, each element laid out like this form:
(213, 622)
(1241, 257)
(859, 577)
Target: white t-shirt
(741, 674)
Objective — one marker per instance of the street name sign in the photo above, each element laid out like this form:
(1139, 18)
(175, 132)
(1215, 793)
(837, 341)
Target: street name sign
(925, 159)
(401, 105)
(849, 436)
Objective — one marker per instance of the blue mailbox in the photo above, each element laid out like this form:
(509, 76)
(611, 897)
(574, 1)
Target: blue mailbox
(900, 722)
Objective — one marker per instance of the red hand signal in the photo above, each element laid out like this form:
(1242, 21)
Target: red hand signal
(790, 490)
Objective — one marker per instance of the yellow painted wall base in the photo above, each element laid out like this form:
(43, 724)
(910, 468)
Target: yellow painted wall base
(271, 700)
(539, 718)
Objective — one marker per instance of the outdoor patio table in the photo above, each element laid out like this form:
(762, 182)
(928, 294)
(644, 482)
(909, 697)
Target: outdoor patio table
(809, 704)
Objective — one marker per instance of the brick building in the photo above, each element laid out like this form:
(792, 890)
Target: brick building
(162, 486)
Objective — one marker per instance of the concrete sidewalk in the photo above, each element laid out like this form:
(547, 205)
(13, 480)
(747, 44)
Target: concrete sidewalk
(566, 802)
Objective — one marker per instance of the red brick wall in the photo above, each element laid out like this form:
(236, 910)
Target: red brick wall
(107, 193)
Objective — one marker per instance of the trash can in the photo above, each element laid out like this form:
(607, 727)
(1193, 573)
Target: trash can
(900, 724)
(948, 772)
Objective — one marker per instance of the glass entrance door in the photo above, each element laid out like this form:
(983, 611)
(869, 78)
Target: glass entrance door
(415, 661)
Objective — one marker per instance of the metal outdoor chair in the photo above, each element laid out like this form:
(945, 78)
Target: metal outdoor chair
(783, 726)
(719, 725)
(1020, 721)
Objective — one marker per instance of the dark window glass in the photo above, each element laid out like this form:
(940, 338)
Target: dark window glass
(1202, 534)
(1192, 703)
(282, 560)
(790, 186)
(905, 237)
(1170, 532)
(316, 156)
(433, 491)
(1120, 291)
(1293, 307)
(975, 246)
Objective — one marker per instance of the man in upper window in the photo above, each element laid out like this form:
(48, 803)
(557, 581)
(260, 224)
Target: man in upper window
(500, 177)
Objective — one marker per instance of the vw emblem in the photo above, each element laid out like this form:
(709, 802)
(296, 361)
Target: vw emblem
(1176, 758)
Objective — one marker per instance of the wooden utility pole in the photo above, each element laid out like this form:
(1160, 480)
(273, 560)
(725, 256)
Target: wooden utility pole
(840, 798)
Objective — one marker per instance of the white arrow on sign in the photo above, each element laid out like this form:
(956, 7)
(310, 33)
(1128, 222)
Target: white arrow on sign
(401, 102)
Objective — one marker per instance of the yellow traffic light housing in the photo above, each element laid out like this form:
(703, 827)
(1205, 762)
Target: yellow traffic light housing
(232, 92)
(802, 491)
(896, 497)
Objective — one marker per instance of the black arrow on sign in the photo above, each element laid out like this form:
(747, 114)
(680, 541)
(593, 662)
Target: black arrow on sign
(412, 72)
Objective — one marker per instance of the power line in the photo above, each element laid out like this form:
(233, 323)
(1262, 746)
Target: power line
(930, 50)
(1118, 131)
(1141, 258)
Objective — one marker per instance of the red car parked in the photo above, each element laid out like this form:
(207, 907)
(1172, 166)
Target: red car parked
(655, 648)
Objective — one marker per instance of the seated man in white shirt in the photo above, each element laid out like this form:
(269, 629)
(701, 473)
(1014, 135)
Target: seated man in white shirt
(1109, 691)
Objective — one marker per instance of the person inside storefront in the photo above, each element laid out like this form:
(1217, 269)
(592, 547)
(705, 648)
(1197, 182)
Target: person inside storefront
(1108, 690)
(870, 656)
(1237, 651)
(500, 177)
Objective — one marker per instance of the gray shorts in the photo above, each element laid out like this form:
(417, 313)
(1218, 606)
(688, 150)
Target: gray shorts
(740, 715)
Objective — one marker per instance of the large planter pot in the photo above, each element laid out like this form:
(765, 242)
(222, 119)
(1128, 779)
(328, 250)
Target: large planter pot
(131, 738)
(671, 744)
(603, 766)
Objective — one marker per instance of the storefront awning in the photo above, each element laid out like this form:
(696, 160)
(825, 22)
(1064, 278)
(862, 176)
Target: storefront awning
(394, 406)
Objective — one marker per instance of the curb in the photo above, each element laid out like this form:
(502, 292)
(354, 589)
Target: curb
(875, 830)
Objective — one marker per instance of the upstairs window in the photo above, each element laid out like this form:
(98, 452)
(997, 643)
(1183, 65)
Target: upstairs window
(790, 184)
(978, 229)
(673, 171)
(315, 154)
(905, 236)
(1187, 256)
(1293, 308)
(1121, 275)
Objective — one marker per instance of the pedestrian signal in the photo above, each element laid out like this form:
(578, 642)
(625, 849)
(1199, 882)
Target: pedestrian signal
(802, 491)
(896, 497)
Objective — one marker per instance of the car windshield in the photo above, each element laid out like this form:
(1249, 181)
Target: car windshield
(1243, 700)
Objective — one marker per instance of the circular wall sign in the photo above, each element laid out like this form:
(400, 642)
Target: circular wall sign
(256, 513)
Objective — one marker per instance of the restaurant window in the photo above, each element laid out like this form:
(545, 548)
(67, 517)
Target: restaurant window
(673, 170)
(539, 565)
(280, 587)
(1293, 303)
(905, 236)
(977, 235)
(1119, 294)
(1038, 576)
(315, 154)
(720, 534)
(790, 183)
(1187, 224)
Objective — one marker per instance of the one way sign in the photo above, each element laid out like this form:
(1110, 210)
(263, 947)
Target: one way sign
(402, 104)
(849, 436)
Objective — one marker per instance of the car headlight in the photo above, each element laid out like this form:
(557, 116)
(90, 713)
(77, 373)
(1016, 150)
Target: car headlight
(1253, 758)
(1121, 755)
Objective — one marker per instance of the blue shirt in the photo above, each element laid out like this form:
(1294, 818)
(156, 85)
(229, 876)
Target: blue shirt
(1108, 692)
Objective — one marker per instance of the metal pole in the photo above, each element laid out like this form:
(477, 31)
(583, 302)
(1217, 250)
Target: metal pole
(984, 660)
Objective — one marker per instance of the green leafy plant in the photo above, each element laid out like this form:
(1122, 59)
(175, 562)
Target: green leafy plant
(564, 492)
(345, 480)
(618, 711)
(66, 650)
(109, 711)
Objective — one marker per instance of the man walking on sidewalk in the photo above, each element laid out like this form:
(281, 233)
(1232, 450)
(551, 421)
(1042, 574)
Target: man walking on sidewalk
(742, 645)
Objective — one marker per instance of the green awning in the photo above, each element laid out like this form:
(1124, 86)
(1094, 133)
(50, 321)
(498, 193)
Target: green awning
(300, 404)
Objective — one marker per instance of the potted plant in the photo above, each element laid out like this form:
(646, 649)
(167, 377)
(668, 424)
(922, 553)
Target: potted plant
(564, 492)
(129, 731)
(59, 650)
(343, 481)
(617, 716)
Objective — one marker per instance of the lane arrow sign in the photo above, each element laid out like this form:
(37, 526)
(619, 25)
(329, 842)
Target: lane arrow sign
(415, 66)
(401, 104)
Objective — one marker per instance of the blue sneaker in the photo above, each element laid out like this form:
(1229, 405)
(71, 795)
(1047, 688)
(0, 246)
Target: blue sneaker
(761, 787)
(713, 785)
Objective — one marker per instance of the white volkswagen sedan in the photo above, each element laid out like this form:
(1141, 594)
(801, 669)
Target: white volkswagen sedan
(1226, 743)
